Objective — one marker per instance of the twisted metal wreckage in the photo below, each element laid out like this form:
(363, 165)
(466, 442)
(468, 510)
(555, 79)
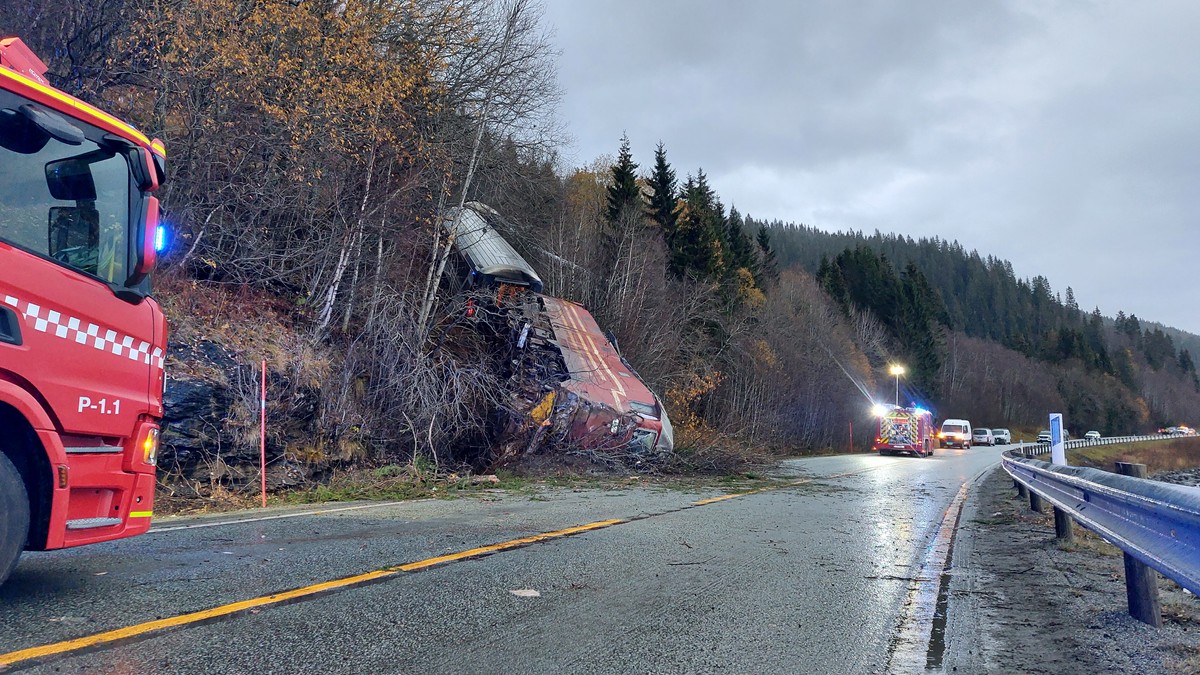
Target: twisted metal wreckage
(574, 389)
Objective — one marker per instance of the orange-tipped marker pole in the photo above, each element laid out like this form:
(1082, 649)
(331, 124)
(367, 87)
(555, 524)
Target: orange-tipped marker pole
(262, 436)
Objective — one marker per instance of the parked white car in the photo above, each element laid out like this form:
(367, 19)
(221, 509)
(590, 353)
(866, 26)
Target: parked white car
(1092, 435)
(982, 436)
(1044, 436)
(1001, 436)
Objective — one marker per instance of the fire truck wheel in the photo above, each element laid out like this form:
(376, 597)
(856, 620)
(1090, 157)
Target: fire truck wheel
(14, 516)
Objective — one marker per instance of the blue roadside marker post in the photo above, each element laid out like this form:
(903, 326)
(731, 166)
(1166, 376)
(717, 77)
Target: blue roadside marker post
(1058, 455)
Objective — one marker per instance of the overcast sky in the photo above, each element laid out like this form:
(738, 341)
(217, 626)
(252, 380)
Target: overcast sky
(1063, 136)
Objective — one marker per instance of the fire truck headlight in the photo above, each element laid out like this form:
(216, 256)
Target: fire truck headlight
(879, 410)
(150, 447)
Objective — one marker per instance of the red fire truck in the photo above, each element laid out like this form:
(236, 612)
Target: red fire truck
(81, 341)
(904, 430)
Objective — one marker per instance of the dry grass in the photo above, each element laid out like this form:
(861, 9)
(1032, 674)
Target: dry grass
(726, 457)
(179, 499)
(243, 327)
(1087, 541)
(1187, 613)
(1158, 455)
(385, 483)
(254, 324)
(1185, 660)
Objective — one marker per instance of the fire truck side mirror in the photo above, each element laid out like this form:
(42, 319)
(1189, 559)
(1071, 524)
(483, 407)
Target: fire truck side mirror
(70, 180)
(147, 256)
(158, 156)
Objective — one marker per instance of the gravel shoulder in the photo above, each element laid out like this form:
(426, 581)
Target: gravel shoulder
(1020, 602)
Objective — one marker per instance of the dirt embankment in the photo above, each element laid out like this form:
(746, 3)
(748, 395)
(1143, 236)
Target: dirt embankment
(1042, 607)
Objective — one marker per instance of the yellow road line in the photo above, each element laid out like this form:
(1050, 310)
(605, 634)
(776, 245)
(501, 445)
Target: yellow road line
(471, 553)
(106, 637)
(711, 500)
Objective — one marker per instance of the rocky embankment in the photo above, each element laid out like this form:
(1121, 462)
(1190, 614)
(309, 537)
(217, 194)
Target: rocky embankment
(210, 430)
(1189, 477)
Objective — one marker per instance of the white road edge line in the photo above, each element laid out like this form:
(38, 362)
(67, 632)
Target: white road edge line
(909, 648)
(198, 526)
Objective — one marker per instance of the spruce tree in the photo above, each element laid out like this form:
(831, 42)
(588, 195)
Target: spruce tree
(696, 248)
(664, 195)
(1185, 361)
(1094, 336)
(829, 276)
(741, 249)
(1071, 304)
(769, 266)
(1133, 327)
(623, 193)
(919, 330)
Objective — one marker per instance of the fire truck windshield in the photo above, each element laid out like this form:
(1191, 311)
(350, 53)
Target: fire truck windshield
(69, 202)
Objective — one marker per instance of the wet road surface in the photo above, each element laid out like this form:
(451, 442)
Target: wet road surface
(829, 573)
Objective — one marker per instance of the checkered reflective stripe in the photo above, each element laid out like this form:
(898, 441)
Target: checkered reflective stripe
(897, 429)
(46, 320)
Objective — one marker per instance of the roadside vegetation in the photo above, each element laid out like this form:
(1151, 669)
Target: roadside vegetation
(312, 147)
(1159, 456)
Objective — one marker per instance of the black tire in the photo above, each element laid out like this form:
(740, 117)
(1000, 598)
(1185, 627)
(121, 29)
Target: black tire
(14, 516)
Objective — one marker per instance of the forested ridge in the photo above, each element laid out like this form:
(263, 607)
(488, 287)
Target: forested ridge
(312, 145)
(980, 297)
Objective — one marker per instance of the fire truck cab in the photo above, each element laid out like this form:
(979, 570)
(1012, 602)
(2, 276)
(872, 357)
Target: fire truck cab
(82, 342)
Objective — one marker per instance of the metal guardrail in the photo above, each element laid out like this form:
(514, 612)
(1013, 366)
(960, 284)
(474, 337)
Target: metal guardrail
(1156, 523)
(1044, 448)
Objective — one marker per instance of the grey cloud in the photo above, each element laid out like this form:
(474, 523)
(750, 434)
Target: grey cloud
(1059, 135)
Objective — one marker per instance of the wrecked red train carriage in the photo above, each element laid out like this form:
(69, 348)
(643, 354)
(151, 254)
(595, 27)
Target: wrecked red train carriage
(611, 405)
(574, 383)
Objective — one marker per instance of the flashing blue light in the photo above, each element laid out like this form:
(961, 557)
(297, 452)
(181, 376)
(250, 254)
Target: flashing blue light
(920, 411)
(160, 238)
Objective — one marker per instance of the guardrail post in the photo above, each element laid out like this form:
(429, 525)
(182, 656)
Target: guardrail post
(1021, 491)
(1062, 526)
(1141, 581)
(1035, 501)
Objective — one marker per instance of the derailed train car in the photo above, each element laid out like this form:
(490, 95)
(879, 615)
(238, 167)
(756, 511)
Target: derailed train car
(609, 403)
(572, 386)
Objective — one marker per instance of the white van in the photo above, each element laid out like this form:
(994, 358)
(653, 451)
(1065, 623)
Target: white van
(955, 434)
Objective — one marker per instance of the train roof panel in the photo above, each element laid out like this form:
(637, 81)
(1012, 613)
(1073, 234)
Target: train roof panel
(596, 369)
(486, 250)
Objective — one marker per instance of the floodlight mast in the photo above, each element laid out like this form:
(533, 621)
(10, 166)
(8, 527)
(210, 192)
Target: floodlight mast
(897, 370)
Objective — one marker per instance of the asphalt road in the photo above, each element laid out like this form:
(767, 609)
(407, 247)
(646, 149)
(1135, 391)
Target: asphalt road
(836, 572)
